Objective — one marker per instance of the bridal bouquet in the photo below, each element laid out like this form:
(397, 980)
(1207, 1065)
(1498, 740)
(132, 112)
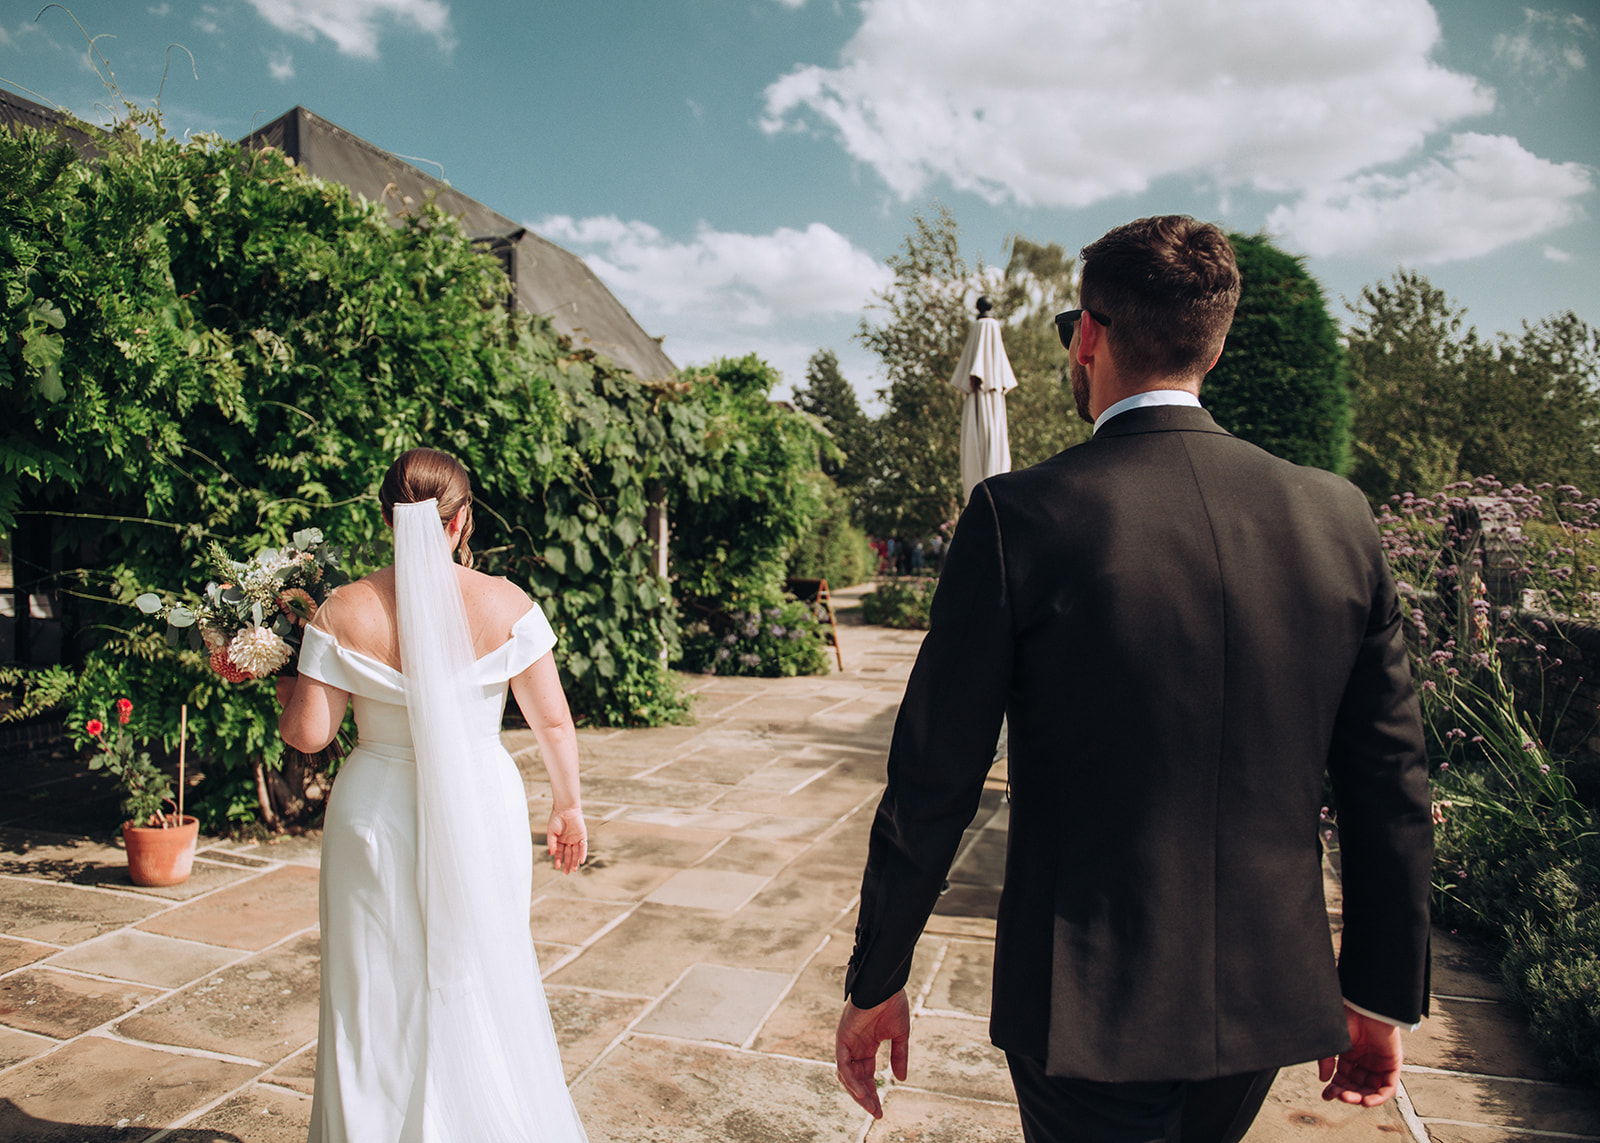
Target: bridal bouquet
(252, 616)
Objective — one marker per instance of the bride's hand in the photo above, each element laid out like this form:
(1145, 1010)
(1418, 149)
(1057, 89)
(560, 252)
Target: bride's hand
(566, 839)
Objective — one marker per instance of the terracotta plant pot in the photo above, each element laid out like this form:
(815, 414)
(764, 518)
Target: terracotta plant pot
(159, 856)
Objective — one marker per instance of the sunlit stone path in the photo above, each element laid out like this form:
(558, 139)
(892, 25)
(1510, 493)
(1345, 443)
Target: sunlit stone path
(694, 966)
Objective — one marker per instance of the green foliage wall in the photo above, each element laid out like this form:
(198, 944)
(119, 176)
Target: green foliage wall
(1281, 382)
(202, 342)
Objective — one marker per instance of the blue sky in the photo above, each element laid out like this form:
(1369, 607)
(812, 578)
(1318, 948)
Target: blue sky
(737, 170)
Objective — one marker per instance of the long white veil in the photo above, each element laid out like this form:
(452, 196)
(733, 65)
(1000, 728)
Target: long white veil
(493, 1068)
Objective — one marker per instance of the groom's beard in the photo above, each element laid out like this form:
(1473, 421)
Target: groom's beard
(1080, 389)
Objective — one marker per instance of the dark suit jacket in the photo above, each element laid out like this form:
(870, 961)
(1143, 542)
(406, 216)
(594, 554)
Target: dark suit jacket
(1185, 632)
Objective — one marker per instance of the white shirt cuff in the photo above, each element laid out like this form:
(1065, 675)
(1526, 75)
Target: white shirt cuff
(1367, 1012)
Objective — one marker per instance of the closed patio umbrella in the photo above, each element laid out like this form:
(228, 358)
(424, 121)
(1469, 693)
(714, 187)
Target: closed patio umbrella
(984, 375)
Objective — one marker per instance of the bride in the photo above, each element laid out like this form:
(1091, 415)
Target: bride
(433, 1025)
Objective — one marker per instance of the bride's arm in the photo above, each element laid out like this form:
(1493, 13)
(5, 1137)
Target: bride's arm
(544, 704)
(312, 712)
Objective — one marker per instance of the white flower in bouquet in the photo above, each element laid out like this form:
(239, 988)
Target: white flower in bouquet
(259, 651)
(214, 638)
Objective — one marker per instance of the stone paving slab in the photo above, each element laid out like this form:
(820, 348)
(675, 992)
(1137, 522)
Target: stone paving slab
(571, 920)
(297, 1073)
(62, 1005)
(648, 951)
(262, 1008)
(803, 1023)
(964, 980)
(14, 953)
(1462, 969)
(754, 855)
(715, 890)
(952, 1055)
(1488, 1101)
(65, 914)
(251, 915)
(260, 1114)
(145, 958)
(588, 1023)
(657, 1089)
(716, 1003)
(1295, 1110)
(1467, 1035)
(102, 1083)
(17, 1046)
(911, 1116)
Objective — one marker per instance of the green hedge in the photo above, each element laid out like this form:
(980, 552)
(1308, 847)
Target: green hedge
(201, 342)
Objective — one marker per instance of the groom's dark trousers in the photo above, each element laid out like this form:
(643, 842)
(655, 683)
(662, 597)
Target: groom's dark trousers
(1186, 634)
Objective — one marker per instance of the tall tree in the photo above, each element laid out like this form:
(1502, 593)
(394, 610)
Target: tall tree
(827, 396)
(1281, 382)
(1040, 281)
(1433, 402)
(916, 484)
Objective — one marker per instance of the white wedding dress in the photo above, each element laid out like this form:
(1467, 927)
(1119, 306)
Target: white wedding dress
(433, 1025)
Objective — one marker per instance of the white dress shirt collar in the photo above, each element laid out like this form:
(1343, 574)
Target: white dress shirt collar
(1146, 399)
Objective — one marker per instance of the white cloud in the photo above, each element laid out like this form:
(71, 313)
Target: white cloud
(281, 66)
(751, 280)
(1483, 192)
(353, 25)
(1546, 44)
(1069, 102)
(1556, 254)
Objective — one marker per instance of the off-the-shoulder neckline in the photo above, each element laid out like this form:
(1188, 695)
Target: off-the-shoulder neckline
(401, 674)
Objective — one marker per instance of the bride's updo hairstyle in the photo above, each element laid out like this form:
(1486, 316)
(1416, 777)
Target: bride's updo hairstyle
(428, 474)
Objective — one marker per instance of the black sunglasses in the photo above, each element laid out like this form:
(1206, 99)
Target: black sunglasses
(1066, 319)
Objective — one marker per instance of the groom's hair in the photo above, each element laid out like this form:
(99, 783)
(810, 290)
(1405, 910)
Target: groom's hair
(428, 474)
(1169, 286)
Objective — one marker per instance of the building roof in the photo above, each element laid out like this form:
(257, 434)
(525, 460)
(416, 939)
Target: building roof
(15, 110)
(545, 278)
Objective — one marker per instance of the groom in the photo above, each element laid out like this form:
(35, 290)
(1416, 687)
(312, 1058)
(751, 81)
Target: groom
(1185, 633)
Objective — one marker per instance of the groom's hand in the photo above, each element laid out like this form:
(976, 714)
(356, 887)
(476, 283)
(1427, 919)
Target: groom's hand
(1368, 1072)
(855, 1049)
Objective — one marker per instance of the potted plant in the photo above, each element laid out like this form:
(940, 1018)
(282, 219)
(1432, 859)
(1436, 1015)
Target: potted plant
(160, 845)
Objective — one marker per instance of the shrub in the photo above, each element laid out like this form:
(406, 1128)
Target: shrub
(779, 639)
(833, 548)
(1517, 855)
(900, 602)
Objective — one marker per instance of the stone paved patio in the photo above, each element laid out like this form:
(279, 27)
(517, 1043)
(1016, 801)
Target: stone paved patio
(694, 967)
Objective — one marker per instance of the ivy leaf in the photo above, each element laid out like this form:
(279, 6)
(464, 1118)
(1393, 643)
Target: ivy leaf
(49, 313)
(42, 350)
(556, 557)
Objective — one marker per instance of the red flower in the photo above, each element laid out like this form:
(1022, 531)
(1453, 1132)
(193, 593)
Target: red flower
(95, 727)
(124, 710)
(227, 668)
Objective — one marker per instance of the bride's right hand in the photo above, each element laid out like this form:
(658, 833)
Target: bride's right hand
(566, 839)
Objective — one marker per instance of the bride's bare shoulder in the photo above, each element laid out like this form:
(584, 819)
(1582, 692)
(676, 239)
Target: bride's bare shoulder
(359, 614)
(498, 601)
